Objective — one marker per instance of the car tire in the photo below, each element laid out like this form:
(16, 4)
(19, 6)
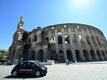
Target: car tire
(37, 73)
(14, 73)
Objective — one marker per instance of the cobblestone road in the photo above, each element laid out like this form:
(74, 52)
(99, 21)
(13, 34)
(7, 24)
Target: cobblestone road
(80, 71)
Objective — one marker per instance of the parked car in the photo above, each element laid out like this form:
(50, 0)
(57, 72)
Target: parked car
(29, 67)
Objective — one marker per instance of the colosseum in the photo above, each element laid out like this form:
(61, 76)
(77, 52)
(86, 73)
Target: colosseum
(61, 42)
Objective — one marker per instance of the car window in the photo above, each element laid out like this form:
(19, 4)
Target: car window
(29, 63)
(23, 64)
(33, 65)
(38, 64)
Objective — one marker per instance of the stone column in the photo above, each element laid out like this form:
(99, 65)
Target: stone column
(70, 38)
(79, 45)
(74, 55)
(82, 55)
(77, 37)
(91, 41)
(102, 57)
(84, 36)
(63, 39)
(56, 40)
(89, 56)
(105, 55)
(16, 56)
(45, 55)
(96, 56)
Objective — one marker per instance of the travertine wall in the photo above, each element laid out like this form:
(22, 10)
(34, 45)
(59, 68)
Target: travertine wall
(72, 41)
(62, 42)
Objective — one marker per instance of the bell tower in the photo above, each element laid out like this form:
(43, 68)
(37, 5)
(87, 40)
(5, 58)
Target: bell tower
(20, 24)
(20, 28)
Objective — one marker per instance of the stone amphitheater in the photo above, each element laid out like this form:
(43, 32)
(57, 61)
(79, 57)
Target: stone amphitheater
(73, 42)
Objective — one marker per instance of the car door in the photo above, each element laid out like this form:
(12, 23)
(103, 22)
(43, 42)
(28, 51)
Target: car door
(22, 67)
(29, 67)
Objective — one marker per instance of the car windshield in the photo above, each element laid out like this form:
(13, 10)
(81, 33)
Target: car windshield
(39, 64)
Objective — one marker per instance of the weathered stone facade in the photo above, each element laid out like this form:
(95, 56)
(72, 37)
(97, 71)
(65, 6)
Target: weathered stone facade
(62, 42)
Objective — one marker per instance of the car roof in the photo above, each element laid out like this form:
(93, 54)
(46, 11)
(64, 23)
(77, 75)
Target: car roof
(29, 62)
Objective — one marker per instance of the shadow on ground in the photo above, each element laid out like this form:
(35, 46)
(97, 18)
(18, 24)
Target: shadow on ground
(21, 76)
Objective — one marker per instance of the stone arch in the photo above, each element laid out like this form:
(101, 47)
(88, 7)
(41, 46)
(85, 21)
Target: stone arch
(43, 35)
(40, 55)
(32, 55)
(86, 54)
(52, 55)
(67, 39)
(29, 40)
(69, 55)
(35, 37)
(106, 52)
(47, 39)
(25, 36)
(93, 54)
(78, 55)
(61, 56)
(52, 39)
(99, 54)
(60, 41)
(103, 53)
(26, 51)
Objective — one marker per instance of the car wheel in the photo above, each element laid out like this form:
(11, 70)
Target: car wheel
(37, 73)
(14, 73)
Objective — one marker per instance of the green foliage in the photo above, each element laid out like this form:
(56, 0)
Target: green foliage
(2, 56)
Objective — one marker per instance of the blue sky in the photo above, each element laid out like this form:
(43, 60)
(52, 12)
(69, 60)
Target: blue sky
(48, 12)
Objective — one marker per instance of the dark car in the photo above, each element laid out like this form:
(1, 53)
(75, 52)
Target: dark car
(29, 67)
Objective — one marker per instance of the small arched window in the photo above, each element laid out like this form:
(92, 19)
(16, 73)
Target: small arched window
(25, 36)
(60, 39)
(35, 37)
(67, 41)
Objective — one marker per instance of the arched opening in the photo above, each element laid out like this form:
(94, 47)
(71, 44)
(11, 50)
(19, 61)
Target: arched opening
(32, 55)
(43, 35)
(25, 36)
(106, 53)
(86, 54)
(74, 39)
(52, 39)
(29, 40)
(47, 39)
(69, 55)
(93, 54)
(40, 55)
(61, 56)
(26, 52)
(35, 37)
(103, 54)
(52, 55)
(99, 54)
(78, 55)
(67, 41)
(60, 39)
